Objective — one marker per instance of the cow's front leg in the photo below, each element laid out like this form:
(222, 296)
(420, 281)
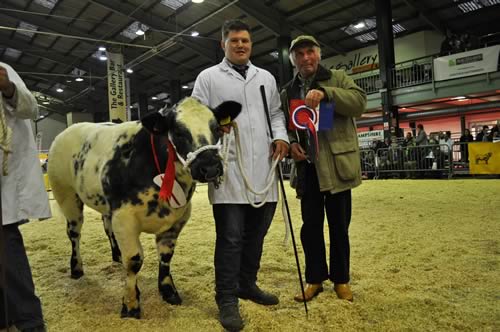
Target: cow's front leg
(72, 208)
(108, 228)
(165, 243)
(126, 233)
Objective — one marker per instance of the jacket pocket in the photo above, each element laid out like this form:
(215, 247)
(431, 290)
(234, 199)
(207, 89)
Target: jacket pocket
(347, 164)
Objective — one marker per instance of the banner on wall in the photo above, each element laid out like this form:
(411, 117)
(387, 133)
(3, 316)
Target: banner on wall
(366, 138)
(484, 158)
(117, 98)
(480, 61)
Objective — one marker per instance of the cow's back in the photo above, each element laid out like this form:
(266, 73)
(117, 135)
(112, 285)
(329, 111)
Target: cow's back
(78, 156)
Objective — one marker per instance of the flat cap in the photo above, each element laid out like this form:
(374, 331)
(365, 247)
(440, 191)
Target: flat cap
(302, 40)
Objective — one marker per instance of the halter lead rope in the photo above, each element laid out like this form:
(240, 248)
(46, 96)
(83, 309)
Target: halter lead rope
(5, 139)
(269, 178)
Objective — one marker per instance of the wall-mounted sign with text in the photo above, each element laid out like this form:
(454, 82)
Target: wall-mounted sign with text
(480, 61)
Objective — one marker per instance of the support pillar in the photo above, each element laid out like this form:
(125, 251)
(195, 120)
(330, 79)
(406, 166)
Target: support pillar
(390, 113)
(285, 66)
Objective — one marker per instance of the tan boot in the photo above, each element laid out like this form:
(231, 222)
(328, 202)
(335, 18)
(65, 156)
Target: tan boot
(343, 292)
(310, 291)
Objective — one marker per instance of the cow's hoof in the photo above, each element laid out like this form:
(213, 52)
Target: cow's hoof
(173, 299)
(134, 313)
(76, 274)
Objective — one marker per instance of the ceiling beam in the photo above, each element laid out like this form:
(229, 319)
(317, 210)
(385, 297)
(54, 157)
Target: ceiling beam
(278, 24)
(429, 18)
(90, 66)
(156, 66)
(155, 22)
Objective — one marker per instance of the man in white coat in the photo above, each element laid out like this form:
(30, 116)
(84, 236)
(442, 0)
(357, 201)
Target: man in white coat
(241, 227)
(23, 197)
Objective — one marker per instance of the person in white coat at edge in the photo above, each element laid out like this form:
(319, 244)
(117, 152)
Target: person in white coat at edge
(23, 197)
(240, 227)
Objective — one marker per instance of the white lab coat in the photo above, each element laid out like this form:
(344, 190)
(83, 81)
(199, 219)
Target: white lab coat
(222, 83)
(23, 191)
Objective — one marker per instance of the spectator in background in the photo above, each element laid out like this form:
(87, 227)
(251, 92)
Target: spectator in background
(408, 141)
(23, 197)
(482, 136)
(447, 44)
(464, 148)
(493, 131)
(421, 138)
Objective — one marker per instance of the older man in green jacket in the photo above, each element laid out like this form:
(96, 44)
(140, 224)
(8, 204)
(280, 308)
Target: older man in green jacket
(324, 182)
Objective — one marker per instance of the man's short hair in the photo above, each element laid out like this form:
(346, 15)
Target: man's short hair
(420, 126)
(233, 25)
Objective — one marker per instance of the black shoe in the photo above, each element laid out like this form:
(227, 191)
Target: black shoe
(229, 317)
(40, 328)
(255, 294)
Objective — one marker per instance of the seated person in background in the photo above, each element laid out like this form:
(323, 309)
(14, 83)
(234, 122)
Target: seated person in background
(464, 150)
(482, 136)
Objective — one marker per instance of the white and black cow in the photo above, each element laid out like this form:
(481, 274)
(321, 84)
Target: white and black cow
(110, 168)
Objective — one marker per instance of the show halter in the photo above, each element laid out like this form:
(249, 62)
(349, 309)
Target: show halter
(168, 180)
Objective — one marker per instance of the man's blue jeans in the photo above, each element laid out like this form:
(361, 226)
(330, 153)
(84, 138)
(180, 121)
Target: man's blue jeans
(240, 232)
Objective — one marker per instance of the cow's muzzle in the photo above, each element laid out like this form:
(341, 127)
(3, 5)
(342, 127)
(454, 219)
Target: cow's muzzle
(207, 167)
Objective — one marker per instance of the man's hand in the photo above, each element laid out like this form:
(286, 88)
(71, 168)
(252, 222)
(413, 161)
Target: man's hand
(313, 98)
(297, 152)
(226, 129)
(280, 149)
(6, 86)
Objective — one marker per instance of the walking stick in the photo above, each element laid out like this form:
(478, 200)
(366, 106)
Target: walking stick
(3, 279)
(282, 187)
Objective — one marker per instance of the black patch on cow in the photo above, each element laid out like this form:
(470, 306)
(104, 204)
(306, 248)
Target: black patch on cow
(152, 206)
(79, 159)
(182, 139)
(135, 263)
(131, 169)
(164, 211)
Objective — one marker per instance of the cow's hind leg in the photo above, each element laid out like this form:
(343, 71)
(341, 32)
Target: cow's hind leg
(72, 208)
(165, 243)
(127, 237)
(108, 228)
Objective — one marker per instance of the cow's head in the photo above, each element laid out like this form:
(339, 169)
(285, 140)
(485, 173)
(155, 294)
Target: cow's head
(190, 125)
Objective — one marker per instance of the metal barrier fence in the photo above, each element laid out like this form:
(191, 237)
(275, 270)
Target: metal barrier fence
(435, 160)
(408, 73)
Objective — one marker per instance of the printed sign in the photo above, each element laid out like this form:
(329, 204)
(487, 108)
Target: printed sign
(480, 61)
(117, 98)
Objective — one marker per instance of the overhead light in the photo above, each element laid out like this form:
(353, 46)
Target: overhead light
(102, 48)
(185, 87)
(154, 98)
(78, 79)
(46, 102)
(360, 25)
(42, 116)
(69, 81)
(195, 33)
(140, 31)
(129, 70)
(59, 90)
(102, 56)
(197, 1)
(459, 97)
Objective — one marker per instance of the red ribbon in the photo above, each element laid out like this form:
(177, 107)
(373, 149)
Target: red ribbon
(167, 183)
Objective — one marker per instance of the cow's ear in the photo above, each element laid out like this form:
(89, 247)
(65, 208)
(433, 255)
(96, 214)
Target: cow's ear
(156, 123)
(227, 112)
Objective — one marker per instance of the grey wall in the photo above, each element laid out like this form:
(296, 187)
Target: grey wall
(50, 127)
